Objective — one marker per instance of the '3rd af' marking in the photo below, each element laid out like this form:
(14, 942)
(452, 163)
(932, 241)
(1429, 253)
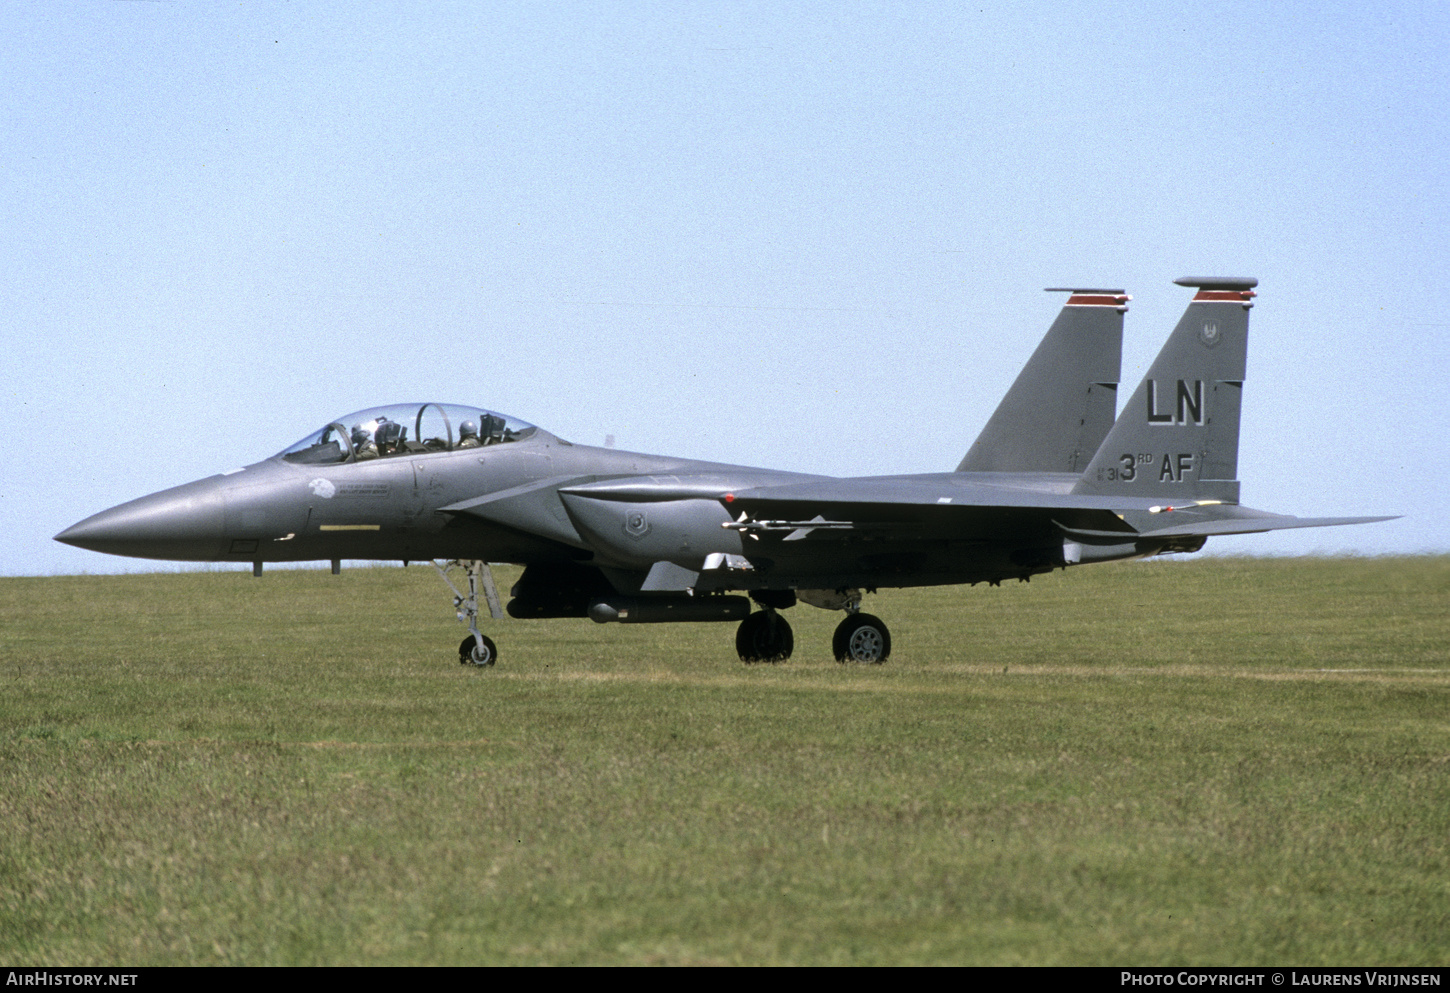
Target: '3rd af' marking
(1172, 467)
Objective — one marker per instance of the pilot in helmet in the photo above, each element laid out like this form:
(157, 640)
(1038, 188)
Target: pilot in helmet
(389, 436)
(362, 443)
(468, 435)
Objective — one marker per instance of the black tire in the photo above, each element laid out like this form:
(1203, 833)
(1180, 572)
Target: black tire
(764, 637)
(468, 653)
(862, 638)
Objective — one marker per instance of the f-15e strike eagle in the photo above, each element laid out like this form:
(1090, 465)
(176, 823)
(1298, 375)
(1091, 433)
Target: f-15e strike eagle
(1054, 480)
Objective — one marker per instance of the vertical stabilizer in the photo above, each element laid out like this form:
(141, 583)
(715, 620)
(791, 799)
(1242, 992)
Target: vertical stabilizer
(1178, 436)
(1062, 404)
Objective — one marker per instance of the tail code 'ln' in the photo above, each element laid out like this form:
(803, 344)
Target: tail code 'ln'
(1178, 436)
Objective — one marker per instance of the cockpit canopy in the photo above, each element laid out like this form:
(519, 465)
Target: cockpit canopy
(405, 429)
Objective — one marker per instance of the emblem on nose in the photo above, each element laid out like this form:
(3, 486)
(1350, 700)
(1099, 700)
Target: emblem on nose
(323, 488)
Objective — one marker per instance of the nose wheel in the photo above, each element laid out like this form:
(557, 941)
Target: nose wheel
(764, 636)
(479, 651)
(862, 638)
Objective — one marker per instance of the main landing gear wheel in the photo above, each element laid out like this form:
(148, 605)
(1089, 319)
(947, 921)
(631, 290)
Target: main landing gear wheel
(470, 654)
(862, 638)
(764, 636)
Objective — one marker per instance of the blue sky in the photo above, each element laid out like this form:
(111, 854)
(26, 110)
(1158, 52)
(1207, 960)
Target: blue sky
(807, 236)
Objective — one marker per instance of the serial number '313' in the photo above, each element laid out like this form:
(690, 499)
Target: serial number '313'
(1171, 468)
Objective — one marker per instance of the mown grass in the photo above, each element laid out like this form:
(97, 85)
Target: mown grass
(1215, 761)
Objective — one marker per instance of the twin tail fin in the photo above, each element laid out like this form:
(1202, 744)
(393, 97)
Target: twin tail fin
(1061, 406)
(1178, 436)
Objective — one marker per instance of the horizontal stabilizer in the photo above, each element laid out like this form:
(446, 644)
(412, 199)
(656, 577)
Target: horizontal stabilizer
(1254, 525)
(1096, 537)
(1210, 521)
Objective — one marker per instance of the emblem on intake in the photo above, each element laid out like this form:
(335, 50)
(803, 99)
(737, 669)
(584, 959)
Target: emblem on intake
(636, 525)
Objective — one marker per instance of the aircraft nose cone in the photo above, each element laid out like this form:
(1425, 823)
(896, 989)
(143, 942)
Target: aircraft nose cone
(185, 522)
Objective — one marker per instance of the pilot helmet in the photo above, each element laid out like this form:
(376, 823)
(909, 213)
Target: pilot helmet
(467, 430)
(360, 437)
(390, 435)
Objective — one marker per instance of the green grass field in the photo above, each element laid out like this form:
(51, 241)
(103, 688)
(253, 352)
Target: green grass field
(1202, 762)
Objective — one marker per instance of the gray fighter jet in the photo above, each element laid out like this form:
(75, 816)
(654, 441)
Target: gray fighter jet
(1052, 481)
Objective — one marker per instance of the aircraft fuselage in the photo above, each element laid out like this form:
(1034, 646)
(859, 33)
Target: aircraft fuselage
(392, 508)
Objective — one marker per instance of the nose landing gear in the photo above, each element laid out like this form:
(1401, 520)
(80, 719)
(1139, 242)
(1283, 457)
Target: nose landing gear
(477, 649)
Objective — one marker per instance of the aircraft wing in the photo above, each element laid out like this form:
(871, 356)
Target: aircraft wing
(947, 502)
(1099, 520)
(945, 505)
(932, 490)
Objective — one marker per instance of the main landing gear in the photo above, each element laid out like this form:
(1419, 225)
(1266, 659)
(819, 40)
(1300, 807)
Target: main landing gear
(861, 638)
(477, 649)
(765, 636)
